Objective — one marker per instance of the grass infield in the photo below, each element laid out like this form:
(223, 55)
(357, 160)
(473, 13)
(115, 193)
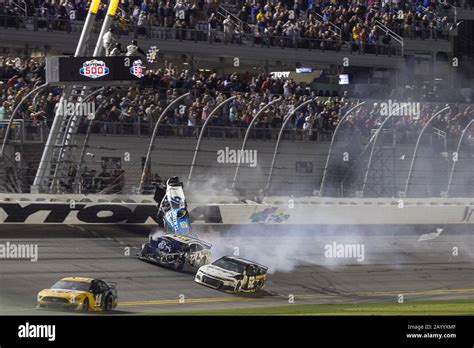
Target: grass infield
(414, 307)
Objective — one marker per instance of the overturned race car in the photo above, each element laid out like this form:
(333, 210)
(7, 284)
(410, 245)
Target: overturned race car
(177, 252)
(232, 274)
(173, 215)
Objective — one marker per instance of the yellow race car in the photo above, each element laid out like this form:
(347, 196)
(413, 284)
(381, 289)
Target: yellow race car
(80, 294)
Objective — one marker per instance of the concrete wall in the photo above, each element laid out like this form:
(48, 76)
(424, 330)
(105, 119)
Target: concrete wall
(275, 211)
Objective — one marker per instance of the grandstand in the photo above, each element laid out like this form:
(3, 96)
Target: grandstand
(266, 76)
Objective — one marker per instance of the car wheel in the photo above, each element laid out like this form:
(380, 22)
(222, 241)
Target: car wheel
(109, 302)
(85, 306)
(179, 266)
(237, 286)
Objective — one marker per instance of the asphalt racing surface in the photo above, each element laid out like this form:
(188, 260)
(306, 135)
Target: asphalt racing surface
(300, 267)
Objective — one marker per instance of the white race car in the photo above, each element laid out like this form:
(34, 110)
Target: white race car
(232, 274)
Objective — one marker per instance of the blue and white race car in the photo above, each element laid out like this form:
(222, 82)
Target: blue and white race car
(173, 214)
(177, 252)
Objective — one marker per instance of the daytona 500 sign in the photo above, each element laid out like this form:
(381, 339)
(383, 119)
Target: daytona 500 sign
(96, 213)
(237, 214)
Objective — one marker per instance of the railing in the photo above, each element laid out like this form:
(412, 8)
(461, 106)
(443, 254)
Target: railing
(21, 6)
(216, 132)
(28, 132)
(24, 131)
(441, 135)
(448, 5)
(264, 40)
(392, 34)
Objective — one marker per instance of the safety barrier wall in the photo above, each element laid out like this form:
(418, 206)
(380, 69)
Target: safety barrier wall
(78, 209)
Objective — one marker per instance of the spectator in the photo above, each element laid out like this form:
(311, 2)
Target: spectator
(108, 41)
(117, 50)
(212, 27)
(133, 49)
(228, 28)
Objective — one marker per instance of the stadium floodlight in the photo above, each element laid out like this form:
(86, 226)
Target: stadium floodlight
(112, 9)
(86, 30)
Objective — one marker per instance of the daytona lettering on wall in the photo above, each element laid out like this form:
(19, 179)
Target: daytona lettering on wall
(98, 213)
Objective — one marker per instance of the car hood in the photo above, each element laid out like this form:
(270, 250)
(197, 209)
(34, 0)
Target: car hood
(63, 293)
(217, 271)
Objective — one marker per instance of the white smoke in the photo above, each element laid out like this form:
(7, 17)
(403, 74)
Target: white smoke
(280, 251)
(213, 190)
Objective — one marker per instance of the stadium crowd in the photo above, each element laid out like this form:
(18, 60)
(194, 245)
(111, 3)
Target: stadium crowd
(134, 110)
(323, 25)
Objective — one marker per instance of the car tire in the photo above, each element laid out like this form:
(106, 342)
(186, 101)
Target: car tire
(109, 303)
(85, 306)
(179, 266)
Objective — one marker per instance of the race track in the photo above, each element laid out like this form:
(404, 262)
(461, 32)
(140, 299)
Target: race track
(393, 264)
